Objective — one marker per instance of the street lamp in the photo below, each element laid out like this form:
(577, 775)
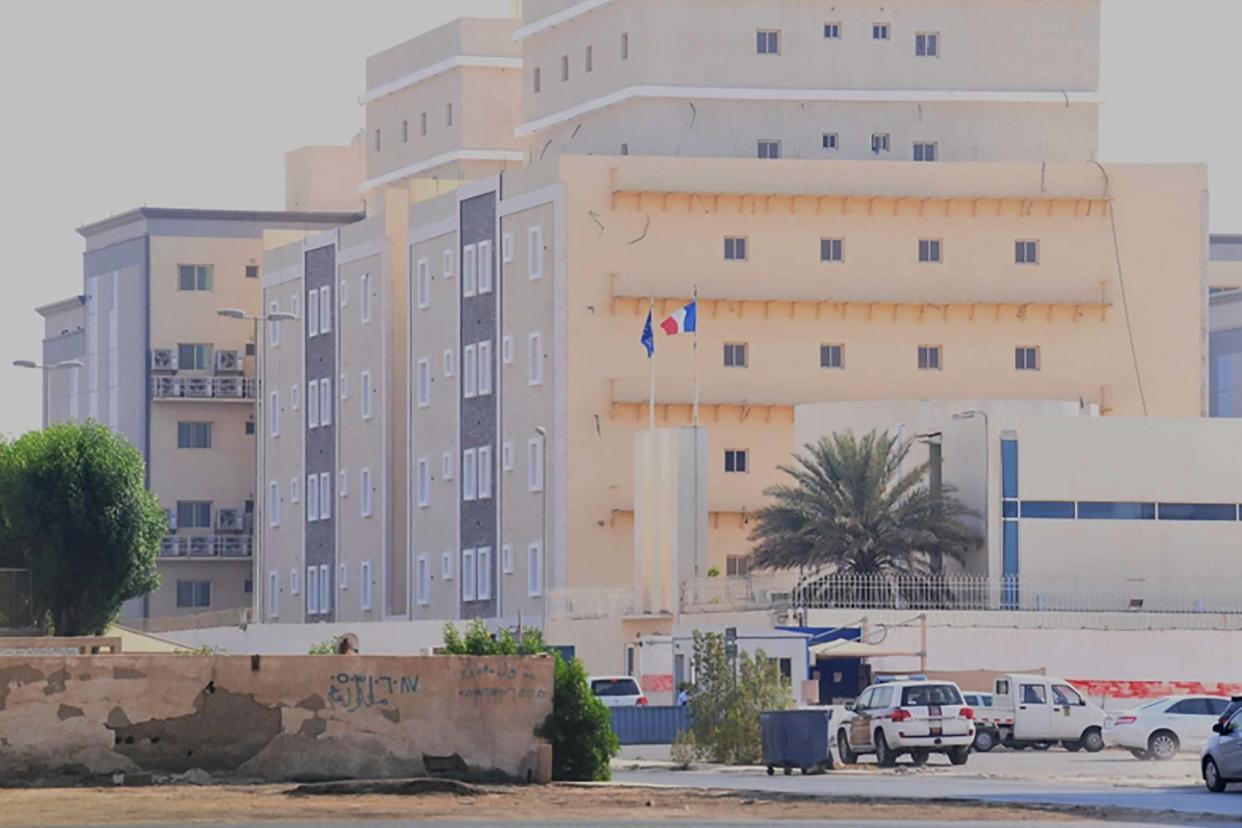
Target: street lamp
(47, 385)
(543, 543)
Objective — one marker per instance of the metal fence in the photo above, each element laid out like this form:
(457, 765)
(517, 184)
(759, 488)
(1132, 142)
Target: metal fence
(649, 725)
(16, 602)
(589, 603)
(207, 546)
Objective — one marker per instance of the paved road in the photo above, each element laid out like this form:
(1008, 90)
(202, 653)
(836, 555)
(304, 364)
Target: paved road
(712, 824)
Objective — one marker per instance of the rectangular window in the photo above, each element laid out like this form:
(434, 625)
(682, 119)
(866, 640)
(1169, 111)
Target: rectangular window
(273, 414)
(194, 514)
(1055, 509)
(325, 309)
(735, 248)
(506, 247)
(273, 594)
(194, 594)
(294, 582)
(880, 142)
(1009, 469)
(342, 291)
(484, 355)
(448, 114)
(469, 270)
(364, 492)
(364, 298)
(364, 583)
(625, 45)
(534, 464)
(467, 575)
(484, 581)
(194, 357)
(325, 402)
(832, 250)
(446, 266)
(534, 570)
(831, 140)
(312, 590)
(312, 313)
(564, 68)
(446, 465)
(767, 42)
(537, 80)
(484, 457)
(927, 44)
(1198, 511)
(1026, 252)
(1089, 510)
(342, 577)
(506, 559)
(273, 328)
(194, 277)
(325, 589)
(424, 483)
(832, 356)
(448, 363)
(930, 358)
(379, 142)
(506, 456)
(506, 350)
(198, 435)
(422, 124)
(738, 566)
(365, 390)
(446, 566)
(929, 251)
(879, 31)
(534, 356)
(925, 151)
(737, 461)
(325, 496)
(295, 398)
(424, 383)
(424, 284)
(295, 304)
(768, 148)
(469, 371)
(735, 354)
(588, 62)
(342, 483)
(405, 132)
(1026, 358)
(312, 498)
(486, 266)
(832, 31)
(342, 384)
(295, 490)
(424, 582)
(536, 253)
(469, 475)
(273, 503)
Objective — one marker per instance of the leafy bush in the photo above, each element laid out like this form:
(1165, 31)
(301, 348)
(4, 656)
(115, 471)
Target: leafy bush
(725, 703)
(325, 647)
(682, 751)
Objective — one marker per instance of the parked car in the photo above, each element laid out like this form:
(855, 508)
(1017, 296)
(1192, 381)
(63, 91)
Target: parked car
(1235, 704)
(1221, 760)
(985, 737)
(977, 700)
(1037, 711)
(1161, 728)
(617, 691)
(907, 717)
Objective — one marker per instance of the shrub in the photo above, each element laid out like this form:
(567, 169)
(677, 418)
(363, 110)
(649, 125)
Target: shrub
(683, 750)
(325, 647)
(726, 702)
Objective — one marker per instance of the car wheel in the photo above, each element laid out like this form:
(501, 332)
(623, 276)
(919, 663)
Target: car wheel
(1093, 740)
(984, 741)
(1041, 745)
(1072, 747)
(1211, 776)
(919, 757)
(959, 755)
(1139, 753)
(884, 756)
(1163, 745)
(847, 756)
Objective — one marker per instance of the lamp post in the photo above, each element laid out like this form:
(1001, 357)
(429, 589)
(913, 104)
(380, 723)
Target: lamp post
(274, 317)
(543, 542)
(47, 384)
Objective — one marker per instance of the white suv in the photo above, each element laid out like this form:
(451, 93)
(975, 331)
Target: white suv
(914, 717)
(617, 691)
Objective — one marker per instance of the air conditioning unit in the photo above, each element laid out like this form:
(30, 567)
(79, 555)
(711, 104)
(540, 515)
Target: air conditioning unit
(167, 387)
(196, 387)
(172, 519)
(229, 387)
(230, 520)
(228, 362)
(163, 359)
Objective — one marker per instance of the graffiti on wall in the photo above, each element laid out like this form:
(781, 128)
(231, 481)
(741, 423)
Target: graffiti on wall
(352, 692)
(493, 682)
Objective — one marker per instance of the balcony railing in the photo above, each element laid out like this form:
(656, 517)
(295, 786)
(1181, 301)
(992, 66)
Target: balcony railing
(202, 388)
(589, 603)
(207, 546)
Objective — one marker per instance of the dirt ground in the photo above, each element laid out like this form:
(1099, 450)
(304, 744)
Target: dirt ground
(222, 803)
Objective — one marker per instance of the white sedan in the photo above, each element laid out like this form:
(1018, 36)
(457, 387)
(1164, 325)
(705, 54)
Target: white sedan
(1160, 729)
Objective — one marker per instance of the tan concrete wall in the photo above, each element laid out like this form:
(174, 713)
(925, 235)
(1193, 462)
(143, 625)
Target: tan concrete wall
(325, 177)
(228, 579)
(278, 717)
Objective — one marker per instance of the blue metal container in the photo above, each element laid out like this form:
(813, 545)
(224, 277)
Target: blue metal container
(797, 739)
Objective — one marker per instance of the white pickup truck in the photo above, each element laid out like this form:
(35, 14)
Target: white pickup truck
(1038, 711)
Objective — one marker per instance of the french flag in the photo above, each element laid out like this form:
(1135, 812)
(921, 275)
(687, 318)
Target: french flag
(682, 321)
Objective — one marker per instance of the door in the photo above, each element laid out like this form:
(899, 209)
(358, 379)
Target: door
(1192, 720)
(860, 725)
(1229, 749)
(1070, 715)
(1032, 718)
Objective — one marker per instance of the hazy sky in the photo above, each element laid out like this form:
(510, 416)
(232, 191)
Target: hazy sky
(112, 104)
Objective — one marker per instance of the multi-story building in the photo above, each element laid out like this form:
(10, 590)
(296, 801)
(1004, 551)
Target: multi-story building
(165, 370)
(1225, 326)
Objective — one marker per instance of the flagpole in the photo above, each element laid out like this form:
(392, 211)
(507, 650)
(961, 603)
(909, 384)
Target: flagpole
(695, 301)
(651, 394)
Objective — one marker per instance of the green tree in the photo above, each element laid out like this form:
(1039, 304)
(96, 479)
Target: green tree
(726, 701)
(75, 505)
(851, 509)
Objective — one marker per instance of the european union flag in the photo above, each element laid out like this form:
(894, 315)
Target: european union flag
(648, 338)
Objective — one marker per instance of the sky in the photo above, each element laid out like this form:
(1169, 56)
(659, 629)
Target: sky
(112, 105)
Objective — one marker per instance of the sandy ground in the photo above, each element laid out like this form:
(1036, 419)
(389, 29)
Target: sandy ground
(226, 803)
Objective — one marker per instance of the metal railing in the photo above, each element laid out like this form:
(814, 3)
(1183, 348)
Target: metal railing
(207, 546)
(202, 388)
(590, 603)
(16, 600)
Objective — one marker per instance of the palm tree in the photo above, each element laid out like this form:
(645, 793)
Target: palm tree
(850, 511)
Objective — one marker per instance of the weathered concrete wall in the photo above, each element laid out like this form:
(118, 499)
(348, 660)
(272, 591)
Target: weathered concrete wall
(275, 718)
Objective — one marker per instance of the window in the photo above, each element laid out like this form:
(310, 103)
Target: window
(405, 132)
(831, 356)
(325, 309)
(880, 142)
(1050, 509)
(625, 45)
(469, 371)
(448, 363)
(312, 498)
(312, 590)
(365, 390)
(448, 114)
(379, 142)
(194, 514)
(273, 328)
(446, 265)
(484, 457)
(564, 68)
(325, 590)
(273, 413)
(250, 427)
(422, 124)
(1026, 358)
(424, 483)
(295, 490)
(484, 355)
(342, 383)
(485, 267)
(506, 456)
(194, 357)
(930, 358)
(252, 271)
(536, 252)
(312, 313)
(737, 461)
(364, 300)
(534, 355)
(832, 31)
(198, 435)
(446, 566)
(879, 31)
(273, 504)
(534, 464)
(364, 584)
(506, 350)
(1067, 696)
(506, 559)
(295, 398)
(424, 582)
(625, 149)
(469, 270)
(767, 42)
(424, 383)
(1026, 252)
(483, 590)
(927, 44)
(925, 151)
(1034, 694)
(929, 251)
(467, 575)
(469, 475)
(768, 148)
(506, 247)
(446, 466)
(534, 570)
(832, 250)
(194, 277)
(588, 62)
(194, 594)
(325, 496)
(735, 354)
(342, 577)
(831, 140)
(342, 483)
(424, 284)
(1198, 511)
(737, 566)
(325, 402)
(538, 80)
(1096, 510)
(364, 492)
(735, 248)
(294, 582)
